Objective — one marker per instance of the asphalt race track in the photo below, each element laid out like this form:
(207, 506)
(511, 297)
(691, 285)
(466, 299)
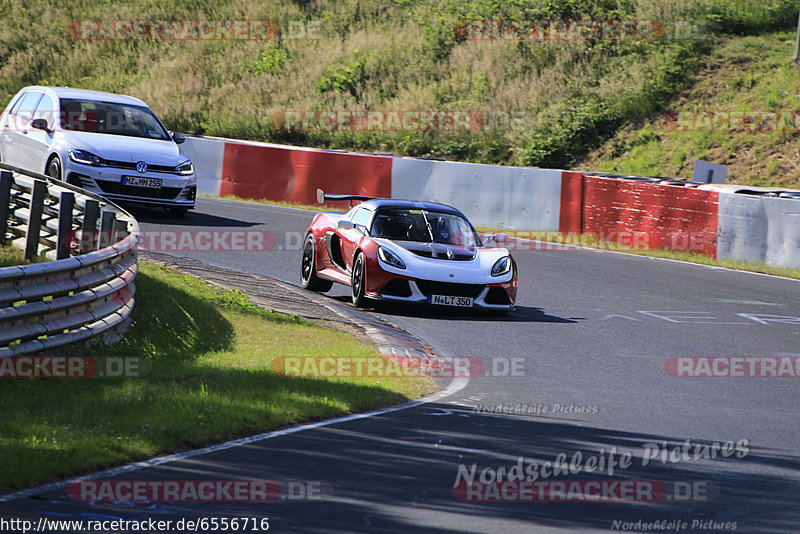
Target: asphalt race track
(591, 336)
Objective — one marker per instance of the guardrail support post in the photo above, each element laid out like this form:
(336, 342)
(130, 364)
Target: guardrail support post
(106, 228)
(65, 234)
(120, 230)
(6, 180)
(35, 220)
(91, 213)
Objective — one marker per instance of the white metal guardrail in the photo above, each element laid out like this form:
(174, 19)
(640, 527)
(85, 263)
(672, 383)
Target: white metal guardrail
(87, 292)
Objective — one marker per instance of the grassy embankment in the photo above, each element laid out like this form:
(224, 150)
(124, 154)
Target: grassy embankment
(208, 355)
(752, 73)
(565, 98)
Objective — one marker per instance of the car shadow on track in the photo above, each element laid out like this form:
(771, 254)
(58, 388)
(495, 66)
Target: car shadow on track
(520, 314)
(193, 218)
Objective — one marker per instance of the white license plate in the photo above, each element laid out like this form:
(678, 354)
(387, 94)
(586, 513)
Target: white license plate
(140, 181)
(444, 300)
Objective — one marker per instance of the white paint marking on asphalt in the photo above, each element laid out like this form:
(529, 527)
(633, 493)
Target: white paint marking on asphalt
(745, 302)
(435, 446)
(620, 316)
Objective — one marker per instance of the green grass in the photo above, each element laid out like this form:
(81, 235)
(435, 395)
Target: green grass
(209, 351)
(546, 103)
(10, 256)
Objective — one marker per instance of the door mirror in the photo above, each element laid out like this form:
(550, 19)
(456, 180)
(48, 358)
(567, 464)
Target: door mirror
(178, 138)
(344, 224)
(40, 124)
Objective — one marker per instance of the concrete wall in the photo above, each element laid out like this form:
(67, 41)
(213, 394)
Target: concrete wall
(492, 196)
(206, 154)
(759, 229)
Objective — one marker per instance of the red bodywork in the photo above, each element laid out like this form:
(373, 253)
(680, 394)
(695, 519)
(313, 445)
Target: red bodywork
(351, 241)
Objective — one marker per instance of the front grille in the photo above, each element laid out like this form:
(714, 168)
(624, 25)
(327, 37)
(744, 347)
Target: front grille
(116, 188)
(497, 295)
(130, 165)
(440, 256)
(396, 288)
(429, 287)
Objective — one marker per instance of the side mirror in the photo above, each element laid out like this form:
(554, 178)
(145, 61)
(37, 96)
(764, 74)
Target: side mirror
(500, 239)
(40, 124)
(178, 138)
(344, 224)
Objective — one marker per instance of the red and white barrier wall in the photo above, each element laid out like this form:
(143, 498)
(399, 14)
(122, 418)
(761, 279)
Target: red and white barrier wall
(707, 221)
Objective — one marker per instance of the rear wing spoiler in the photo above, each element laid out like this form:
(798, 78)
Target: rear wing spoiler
(323, 196)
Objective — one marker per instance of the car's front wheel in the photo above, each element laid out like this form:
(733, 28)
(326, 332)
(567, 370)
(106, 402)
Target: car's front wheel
(308, 273)
(54, 169)
(358, 281)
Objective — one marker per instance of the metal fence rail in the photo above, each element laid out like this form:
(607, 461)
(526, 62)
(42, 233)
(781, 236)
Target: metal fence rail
(87, 292)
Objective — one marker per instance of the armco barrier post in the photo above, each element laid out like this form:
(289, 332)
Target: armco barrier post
(91, 213)
(120, 230)
(65, 208)
(6, 180)
(106, 227)
(35, 220)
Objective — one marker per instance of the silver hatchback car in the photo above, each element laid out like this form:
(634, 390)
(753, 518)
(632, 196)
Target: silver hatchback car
(113, 145)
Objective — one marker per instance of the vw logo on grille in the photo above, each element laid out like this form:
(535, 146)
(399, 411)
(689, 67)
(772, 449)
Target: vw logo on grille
(141, 166)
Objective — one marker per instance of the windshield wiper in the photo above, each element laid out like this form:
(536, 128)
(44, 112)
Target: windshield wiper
(430, 229)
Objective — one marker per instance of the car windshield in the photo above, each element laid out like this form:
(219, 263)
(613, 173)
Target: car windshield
(111, 118)
(423, 226)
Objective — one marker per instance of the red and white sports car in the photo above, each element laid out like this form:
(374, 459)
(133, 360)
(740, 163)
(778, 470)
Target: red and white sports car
(407, 251)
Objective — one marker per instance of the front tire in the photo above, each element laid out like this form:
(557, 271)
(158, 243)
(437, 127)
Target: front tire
(308, 272)
(358, 282)
(54, 169)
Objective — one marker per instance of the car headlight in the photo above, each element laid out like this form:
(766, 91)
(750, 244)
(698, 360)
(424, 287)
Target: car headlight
(502, 266)
(184, 168)
(86, 158)
(390, 258)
